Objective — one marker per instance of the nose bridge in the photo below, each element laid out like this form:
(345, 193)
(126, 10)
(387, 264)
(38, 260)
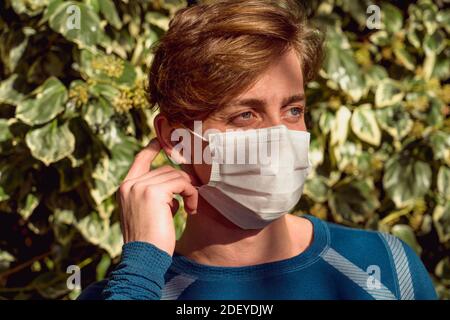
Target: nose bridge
(273, 117)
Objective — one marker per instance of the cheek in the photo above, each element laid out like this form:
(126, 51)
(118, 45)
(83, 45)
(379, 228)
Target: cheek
(303, 124)
(299, 125)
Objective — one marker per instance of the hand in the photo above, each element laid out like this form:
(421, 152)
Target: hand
(146, 200)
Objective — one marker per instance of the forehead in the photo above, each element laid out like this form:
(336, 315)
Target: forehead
(284, 77)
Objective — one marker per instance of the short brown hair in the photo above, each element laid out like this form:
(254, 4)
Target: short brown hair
(214, 51)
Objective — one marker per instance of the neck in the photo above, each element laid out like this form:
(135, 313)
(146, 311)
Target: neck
(209, 238)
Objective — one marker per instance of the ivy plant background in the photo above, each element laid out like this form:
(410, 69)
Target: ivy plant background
(73, 114)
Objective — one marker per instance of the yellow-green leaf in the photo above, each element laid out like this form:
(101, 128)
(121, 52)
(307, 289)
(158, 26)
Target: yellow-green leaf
(388, 93)
(51, 142)
(340, 126)
(45, 104)
(365, 126)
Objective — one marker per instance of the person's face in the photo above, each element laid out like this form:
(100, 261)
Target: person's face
(277, 98)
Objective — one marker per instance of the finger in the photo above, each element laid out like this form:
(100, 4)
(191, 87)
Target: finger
(186, 190)
(144, 159)
(157, 177)
(151, 174)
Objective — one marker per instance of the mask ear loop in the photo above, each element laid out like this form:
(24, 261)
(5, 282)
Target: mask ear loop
(195, 133)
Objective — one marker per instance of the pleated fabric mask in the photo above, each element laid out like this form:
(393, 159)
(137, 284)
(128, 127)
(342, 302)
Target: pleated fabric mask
(257, 175)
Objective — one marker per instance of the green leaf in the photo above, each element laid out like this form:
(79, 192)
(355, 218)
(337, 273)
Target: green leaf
(110, 171)
(106, 208)
(395, 121)
(180, 221)
(380, 38)
(77, 22)
(340, 126)
(48, 102)
(12, 90)
(441, 68)
(443, 182)
(98, 113)
(391, 18)
(406, 233)
(429, 64)
(94, 4)
(429, 16)
(98, 232)
(406, 179)
(435, 116)
(374, 75)
(109, 11)
(405, 58)
(158, 19)
(13, 169)
(388, 93)
(364, 125)
(29, 7)
(5, 260)
(434, 43)
(5, 134)
(352, 201)
(51, 142)
(102, 267)
(443, 17)
(50, 9)
(316, 188)
(413, 36)
(442, 270)
(105, 182)
(64, 234)
(440, 143)
(3, 195)
(346, 156)
(64, 216)
(441, 220)
(104, 90)
(27, 208)
(316, 152)
(113, 241)
(13, 46)
(93, 228)
(326, 122)
(341, 67)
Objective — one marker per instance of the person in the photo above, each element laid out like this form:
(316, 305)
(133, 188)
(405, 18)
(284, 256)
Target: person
(242, 66)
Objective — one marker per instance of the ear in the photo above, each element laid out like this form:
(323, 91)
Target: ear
(164, 130)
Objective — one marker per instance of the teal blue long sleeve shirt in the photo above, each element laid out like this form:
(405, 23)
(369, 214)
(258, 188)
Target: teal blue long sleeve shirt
(340, 263)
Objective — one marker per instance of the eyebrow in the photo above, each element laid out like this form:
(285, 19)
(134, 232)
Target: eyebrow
(258, 103)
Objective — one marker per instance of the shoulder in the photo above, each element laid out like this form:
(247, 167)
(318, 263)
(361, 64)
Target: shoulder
(358, 240)
(396, 260)
(93, 291)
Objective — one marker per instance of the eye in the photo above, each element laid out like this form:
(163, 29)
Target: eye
(246, 115)
(294, 112)
(243, 118)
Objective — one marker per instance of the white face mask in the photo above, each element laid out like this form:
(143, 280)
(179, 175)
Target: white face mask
(257, 175)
